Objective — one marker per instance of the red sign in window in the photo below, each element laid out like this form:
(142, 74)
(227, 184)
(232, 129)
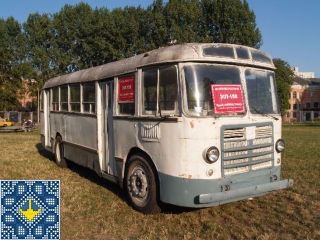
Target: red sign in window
(126, 89)
(227, 98)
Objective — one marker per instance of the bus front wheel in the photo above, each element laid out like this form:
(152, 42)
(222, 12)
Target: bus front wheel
(59, 153)
(141, 185)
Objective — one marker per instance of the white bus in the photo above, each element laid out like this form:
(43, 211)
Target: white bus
(192, 125)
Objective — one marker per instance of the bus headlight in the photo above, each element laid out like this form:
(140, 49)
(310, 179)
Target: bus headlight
(280, 145)
(211, 154)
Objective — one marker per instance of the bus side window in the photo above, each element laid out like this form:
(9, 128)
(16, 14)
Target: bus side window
(168, 89)
(64, 98)
(75, 97)
(149, 92)
(126, 95)
(55, 99)
(88, 98)
(160, 87)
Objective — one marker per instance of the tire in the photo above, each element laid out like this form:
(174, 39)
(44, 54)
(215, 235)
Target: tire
(141, 185)
(59, 153)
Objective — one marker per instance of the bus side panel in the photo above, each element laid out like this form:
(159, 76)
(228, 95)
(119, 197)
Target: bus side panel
(82, 156)
(78, 134)
(81, 130)
(76, 129)
(181, 147)
(125, 138)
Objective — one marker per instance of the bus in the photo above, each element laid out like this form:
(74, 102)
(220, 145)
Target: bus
(193, 125)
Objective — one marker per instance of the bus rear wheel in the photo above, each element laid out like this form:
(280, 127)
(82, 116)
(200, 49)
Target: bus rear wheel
(141, 185)
(59, 153)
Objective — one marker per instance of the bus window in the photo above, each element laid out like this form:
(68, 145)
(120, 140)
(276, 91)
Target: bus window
(242, 53)
(167, 93)
(88, 98)
(55, 99)
(149, 91)
(168, 90)
(64, 98)
(75, 97)
(261, 82)
(126, 95)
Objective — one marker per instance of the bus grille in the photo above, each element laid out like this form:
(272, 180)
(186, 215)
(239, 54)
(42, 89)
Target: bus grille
(246, 148)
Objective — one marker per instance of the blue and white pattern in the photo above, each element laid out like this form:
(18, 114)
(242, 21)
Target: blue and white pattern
(30, 209)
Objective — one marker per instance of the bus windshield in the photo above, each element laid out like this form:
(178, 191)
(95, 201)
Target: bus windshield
(261, 92)
(213, 89)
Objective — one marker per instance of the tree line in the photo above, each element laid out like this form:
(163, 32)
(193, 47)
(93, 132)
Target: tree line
(79, 37)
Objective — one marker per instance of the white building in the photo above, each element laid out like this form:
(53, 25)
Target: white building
(302, 74)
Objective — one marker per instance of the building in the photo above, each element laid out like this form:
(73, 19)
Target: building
(25, 99)
(304, 100)
(302, 74)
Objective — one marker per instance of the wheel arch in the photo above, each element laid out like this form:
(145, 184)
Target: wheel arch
(138, 151)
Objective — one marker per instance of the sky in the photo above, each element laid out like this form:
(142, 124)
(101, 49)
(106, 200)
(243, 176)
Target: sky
(290, 28)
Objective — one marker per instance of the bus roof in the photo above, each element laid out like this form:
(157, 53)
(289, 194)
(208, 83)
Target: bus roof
(196, 52)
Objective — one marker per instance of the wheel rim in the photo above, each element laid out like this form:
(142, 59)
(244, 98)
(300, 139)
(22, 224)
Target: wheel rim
(138, 185)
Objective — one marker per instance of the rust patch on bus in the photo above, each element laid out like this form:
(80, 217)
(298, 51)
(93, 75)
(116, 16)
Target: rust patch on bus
(191, 124)
(185, 176)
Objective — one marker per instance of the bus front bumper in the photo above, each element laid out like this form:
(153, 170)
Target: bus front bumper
(199, 193)
(243, 193)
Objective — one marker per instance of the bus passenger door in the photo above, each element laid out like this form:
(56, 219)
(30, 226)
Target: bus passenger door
(46, 120)
(107, 126)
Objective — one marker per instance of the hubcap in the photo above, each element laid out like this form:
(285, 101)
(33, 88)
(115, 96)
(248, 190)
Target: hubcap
(138, 184)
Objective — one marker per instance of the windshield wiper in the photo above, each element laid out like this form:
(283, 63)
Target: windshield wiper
(264, 114)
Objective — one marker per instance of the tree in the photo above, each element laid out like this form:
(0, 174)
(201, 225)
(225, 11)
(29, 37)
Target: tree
(155, 27)
(284, 80)
(183, 24)
(11, 60)
(230, 21)
(79, 37)
(39, 35)
(127, 32)
(67, 25)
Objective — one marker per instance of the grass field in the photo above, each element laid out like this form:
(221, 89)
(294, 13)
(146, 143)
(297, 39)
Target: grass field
(92, 208)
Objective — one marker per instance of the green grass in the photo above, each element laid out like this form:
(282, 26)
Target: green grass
(93, 208)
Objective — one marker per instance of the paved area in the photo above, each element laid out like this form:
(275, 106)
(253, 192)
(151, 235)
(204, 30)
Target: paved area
(11, 129)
